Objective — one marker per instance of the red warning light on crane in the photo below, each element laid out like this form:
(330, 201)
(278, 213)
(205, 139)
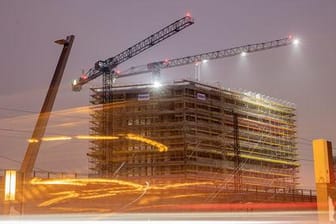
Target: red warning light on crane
(188, 14)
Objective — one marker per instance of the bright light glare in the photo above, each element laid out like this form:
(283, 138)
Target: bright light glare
(32, 140)
(10, 185)
(157, 84)
(243, 53)
(204, 61)
(296, 41)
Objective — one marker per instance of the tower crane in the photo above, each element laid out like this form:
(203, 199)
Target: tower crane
(105, 67)
(155, 67)
(101, 68)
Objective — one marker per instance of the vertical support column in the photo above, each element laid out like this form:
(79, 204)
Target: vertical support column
(324, 178)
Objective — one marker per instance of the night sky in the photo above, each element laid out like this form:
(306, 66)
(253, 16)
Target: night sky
(304, 75)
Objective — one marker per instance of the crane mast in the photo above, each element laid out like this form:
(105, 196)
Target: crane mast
(249, 48)
(105, 67)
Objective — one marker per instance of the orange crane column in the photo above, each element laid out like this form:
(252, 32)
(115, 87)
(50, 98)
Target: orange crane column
(41, 124)
(324, 179)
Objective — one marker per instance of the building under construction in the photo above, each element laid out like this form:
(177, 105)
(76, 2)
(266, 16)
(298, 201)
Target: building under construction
(189, 131)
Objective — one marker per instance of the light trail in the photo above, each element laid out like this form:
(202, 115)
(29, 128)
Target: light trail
(161, 147)
(56, 138)
(104, 190)
(96, 137)
(63, 196)
(96, 188)
(178, 185)
(82, 182)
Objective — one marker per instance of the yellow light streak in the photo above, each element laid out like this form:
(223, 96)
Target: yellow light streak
(64, 195)
(102, 192)
(178, 185)
(96, 137)
(56, 138)
(265, 159)
(97, 188)
(161, 147)
(188, 195)
(97, 210)
(83, 182)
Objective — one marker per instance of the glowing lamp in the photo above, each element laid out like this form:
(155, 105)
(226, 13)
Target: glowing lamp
(296, 41)
(10, 185)
(157, 84)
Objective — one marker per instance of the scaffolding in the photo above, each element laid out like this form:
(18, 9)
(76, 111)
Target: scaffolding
(232, 138)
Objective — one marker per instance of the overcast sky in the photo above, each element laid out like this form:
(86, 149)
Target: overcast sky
(304, 75)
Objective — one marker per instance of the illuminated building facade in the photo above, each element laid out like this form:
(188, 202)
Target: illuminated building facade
(237, 139)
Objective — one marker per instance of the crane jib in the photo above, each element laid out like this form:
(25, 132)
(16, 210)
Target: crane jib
(106, 66)
(230, 52)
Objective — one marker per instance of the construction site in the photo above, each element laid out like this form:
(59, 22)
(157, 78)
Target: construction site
(156, 145)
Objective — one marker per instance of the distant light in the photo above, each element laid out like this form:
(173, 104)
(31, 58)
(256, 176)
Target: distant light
(83, 77)
(296, 41)
(290, 37)
(74, 82)
(197, 63)
(188, 14)
(157, 84)
(204, 61)
(118, 72)
(166, 61)
(243, 53)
